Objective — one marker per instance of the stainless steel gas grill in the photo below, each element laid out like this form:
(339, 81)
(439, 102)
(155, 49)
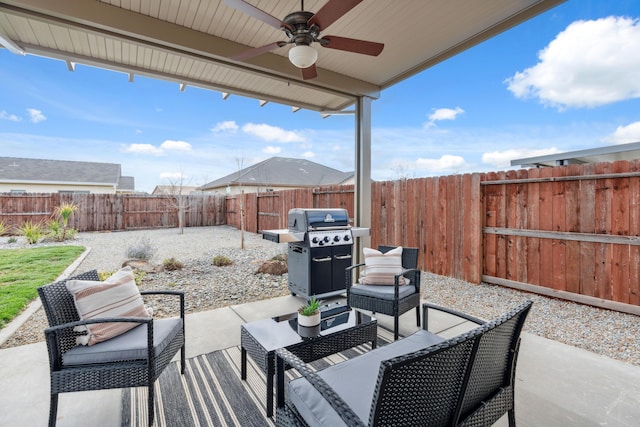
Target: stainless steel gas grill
(320, 249)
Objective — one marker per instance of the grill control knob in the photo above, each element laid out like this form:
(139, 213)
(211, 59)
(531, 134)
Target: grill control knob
(314, 240)
(336, 239)
(346, 238)
(326, 239)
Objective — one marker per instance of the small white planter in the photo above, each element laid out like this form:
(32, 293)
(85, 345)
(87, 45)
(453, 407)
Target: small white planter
(309, 321)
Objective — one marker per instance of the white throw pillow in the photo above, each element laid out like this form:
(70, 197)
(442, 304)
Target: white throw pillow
(381, 269)
(117, 296)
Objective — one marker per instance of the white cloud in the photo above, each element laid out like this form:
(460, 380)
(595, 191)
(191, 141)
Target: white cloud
(175, 145)
(590, 63)
(168, 145)
(11, 117)
(502, 159)
(444, 164)
(272, 133)
(625, 134)
(271, 150)
(143, 149)
(226, 126)
(36, 116)
(172, 175)
(443, 114)
(308, 155)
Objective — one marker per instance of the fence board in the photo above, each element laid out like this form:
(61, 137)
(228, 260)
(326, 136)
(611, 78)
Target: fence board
(634, 230)
(558, 223)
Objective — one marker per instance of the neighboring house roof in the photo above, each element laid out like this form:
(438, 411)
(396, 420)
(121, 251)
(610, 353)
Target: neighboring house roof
(610, 153)
(173, 189)
(282, 171)
(126, 183)
(16, 169)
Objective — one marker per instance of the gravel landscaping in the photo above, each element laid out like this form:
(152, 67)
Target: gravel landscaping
(207, 287)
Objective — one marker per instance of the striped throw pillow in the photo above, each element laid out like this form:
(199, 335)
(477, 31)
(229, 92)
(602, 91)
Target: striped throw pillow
(381, 269)
(117, 296)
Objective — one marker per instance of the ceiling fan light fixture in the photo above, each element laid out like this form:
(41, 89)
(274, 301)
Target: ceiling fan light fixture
(303, 56)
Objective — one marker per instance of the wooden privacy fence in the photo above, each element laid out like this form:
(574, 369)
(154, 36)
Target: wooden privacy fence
(268, 211)
(102, 212)
(571, 232)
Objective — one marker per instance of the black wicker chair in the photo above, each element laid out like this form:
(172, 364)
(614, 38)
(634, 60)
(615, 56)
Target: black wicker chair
(392, 300)
(421, 380)
(81, 368)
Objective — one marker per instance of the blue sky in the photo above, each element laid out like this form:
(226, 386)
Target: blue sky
(566, 80)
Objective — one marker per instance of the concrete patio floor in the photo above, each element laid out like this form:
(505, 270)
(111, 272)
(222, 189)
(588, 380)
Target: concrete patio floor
(557, 385)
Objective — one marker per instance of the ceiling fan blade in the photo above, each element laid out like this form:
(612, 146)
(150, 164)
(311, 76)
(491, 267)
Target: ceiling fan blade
(248, 54)
(259, 14)
(309, 72)
(352, 45)
(331, 12)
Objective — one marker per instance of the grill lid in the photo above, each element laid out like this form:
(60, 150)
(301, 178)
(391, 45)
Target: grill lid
(314, 219)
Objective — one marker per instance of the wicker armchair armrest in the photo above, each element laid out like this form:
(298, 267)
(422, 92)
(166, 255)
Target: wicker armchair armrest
(349, 274)
(426, 306)
(175, 293)
(71, 325)
(285, 357)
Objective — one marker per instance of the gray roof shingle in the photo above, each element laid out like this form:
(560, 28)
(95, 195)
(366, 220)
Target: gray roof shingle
(58, 171)
(282, 171)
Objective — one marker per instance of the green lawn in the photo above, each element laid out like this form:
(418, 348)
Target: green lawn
(22, 271)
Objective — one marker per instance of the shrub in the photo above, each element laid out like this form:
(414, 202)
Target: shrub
(138, 275)
(31, 231)
(63, 213)
(172, 264)
(3, 228)
(12, 240)
(141, 250)
(221, 261)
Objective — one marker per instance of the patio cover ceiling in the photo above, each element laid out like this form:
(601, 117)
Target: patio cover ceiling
(190, 42)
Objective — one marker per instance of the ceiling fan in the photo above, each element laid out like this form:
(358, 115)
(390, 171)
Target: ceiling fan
(303, 28)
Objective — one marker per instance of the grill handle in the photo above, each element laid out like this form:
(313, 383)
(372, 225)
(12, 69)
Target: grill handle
(325, 259)
(343, 256)
(297, 249)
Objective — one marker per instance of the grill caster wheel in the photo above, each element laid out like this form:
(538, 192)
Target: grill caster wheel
(293, 294)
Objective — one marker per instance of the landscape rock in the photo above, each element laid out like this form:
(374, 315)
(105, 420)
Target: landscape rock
(273, 266)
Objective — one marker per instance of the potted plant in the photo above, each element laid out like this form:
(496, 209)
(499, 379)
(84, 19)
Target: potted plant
(309, 314)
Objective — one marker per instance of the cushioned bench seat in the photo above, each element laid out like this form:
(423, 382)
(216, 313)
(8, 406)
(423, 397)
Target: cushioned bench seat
(354, 380)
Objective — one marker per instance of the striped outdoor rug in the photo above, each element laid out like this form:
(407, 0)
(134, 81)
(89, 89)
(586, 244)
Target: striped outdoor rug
(211, 393)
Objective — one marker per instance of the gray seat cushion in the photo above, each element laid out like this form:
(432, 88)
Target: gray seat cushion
(382, 291)
(131, 345)
(354, 380)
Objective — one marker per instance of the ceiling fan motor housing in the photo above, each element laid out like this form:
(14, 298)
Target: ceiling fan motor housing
(300, 33)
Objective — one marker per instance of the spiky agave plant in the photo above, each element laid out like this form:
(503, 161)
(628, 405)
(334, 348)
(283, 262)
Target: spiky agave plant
(64, 212)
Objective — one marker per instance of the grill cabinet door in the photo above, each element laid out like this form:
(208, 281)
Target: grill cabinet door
(321, 260)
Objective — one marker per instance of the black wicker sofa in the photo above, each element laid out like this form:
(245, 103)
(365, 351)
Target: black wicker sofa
(420, 380)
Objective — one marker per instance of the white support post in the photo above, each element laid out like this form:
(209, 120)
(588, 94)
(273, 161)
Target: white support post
(362, 186)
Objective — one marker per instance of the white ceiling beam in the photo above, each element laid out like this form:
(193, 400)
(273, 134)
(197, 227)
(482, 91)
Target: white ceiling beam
(10, 45)
(131, 77)
(71, 66)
